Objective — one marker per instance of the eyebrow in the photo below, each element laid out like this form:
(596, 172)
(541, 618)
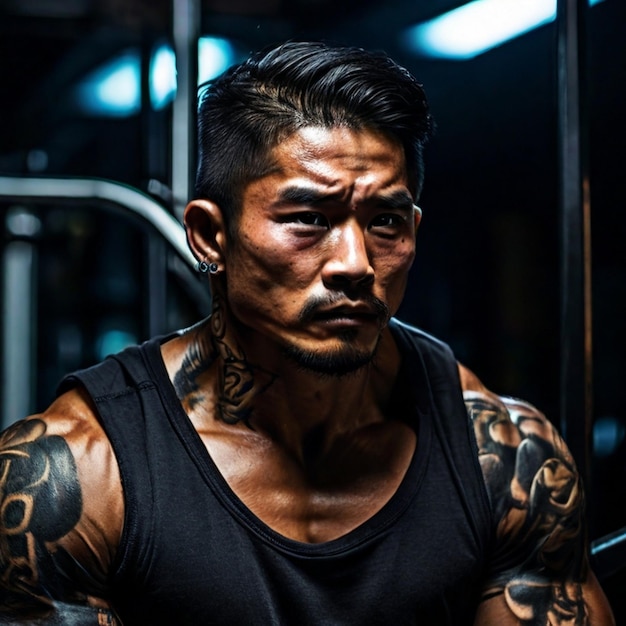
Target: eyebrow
(303, 195)
(399, 200)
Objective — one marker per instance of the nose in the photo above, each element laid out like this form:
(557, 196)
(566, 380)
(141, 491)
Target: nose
(348, 264)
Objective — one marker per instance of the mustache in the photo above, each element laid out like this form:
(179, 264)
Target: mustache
(313, 304)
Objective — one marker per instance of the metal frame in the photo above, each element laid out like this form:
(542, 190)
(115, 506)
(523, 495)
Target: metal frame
(575, 213)
(124, 197)
(608, 554)
(18, 361)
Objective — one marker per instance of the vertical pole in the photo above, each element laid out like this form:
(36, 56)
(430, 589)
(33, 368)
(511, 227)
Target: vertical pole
(186, 30)
(576, 333)
(19, 310)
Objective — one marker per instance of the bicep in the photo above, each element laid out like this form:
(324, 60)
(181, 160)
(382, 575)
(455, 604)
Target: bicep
(41, 504)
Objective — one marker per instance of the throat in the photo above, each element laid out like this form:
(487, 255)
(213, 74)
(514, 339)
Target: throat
(313, 448)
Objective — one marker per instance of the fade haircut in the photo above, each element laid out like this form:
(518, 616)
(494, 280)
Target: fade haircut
(247, 111)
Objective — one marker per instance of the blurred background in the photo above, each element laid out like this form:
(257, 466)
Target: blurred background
(104, 90)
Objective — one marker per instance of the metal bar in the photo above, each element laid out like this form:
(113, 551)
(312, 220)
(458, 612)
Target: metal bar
(122, 196)
(18, 338)
(608, 554)
(19, 308)
(576, 336)
(186, 30)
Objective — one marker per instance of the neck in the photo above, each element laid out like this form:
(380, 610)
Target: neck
(220, 376)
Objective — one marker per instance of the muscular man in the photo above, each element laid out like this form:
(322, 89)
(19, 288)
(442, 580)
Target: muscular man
(300, 457)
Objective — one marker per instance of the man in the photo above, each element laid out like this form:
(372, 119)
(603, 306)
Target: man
(300, 457)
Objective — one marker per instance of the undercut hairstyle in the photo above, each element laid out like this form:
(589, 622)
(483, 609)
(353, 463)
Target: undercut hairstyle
(255, 105)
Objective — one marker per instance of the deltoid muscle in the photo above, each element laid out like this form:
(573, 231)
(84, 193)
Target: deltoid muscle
(539, 562)
(41, 502)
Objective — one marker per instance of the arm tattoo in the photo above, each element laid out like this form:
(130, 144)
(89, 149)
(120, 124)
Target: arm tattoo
(239, 381)
(40, 502)
(539, 562)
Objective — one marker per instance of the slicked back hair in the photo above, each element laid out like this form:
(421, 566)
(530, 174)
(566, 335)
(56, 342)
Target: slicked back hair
(247, 111)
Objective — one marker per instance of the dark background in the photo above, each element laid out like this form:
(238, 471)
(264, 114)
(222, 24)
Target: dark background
(486, 278)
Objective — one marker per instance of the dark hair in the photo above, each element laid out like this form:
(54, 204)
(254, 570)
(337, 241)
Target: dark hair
(247, 111)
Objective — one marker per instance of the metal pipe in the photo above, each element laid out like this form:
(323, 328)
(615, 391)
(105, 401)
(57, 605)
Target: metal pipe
(186, 31)
(19, 306)
(576, 333)
(125, 198)
(18, 334)
(608, 554)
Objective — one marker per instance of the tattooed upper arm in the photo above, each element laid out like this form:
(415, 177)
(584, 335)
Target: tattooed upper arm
(40, 503)
(539, 564)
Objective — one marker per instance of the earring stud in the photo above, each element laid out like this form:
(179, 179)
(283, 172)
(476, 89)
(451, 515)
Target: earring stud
(203, 267)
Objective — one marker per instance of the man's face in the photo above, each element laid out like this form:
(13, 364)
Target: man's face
(323, 247)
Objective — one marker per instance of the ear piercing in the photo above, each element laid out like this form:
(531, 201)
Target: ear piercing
(203, 267)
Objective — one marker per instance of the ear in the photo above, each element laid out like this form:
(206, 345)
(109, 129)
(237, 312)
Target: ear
(206, 231)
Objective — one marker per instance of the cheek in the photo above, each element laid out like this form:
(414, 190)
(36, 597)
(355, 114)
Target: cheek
(392, 271)
(395, 262)
(268, 275)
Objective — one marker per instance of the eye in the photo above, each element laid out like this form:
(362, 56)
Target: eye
(309, 218)
(387, 221)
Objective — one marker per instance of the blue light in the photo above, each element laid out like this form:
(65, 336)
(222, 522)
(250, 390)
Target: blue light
(162, 77)
(113, 340)
(478, 26)
(608, 435)
(215, 56)
(113, 89)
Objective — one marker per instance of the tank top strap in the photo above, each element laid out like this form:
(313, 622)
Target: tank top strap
(450, 421)
(125, 399)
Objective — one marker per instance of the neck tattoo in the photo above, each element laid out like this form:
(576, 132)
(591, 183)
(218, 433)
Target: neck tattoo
(239, 382)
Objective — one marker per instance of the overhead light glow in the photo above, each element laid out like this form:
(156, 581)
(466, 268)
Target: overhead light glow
(478, 26)
(162, 77)
(215, 56)
(114, 89)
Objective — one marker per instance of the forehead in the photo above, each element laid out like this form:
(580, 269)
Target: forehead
(355, 148)
(341, 160)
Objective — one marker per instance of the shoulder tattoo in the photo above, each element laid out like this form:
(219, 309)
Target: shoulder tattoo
(40, 502)
(539, 561)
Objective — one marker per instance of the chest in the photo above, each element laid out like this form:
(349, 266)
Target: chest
(417, 559)
(321, 498)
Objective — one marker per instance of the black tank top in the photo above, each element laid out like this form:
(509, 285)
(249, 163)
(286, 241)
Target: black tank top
(193, 553)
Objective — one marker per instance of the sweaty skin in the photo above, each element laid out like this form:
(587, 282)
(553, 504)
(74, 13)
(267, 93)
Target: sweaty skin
(288, 384)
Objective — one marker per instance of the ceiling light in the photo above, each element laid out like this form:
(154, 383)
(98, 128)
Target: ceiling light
(215, 56)
(114, 89)
(478, 26)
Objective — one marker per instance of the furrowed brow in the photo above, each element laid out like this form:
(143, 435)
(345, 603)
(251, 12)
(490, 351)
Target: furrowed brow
(305, 196)
(398, 200)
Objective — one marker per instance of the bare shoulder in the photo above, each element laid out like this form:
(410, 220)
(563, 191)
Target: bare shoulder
(539, 570)
(61, 513)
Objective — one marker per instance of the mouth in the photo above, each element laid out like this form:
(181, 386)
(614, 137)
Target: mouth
(348, 315)
(336, 311)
